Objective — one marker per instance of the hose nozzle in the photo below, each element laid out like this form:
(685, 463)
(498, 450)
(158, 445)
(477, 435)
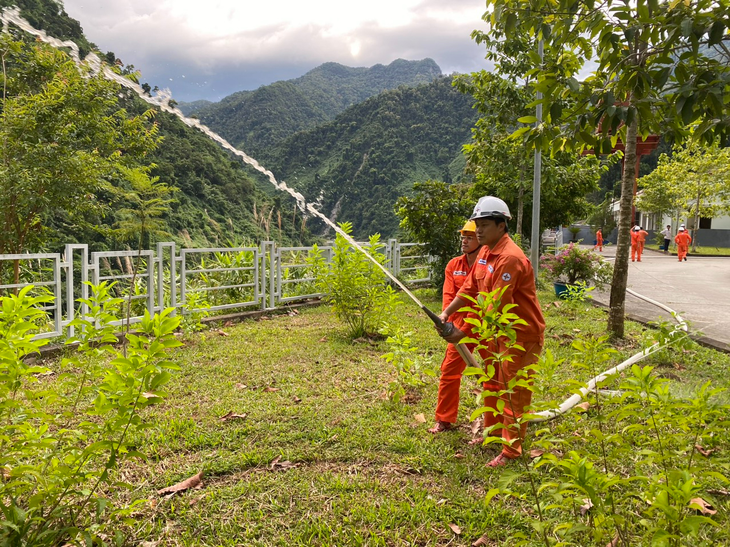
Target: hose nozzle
(446, 328)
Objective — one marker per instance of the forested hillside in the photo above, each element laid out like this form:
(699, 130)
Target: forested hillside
(360, 163)
(257, 120)
(314, 132)
(217, 201)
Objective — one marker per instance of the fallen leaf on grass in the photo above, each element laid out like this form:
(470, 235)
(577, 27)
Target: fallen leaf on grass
(270, 389)
(585, 405)
(702, 506)
(46, 373)
(196, 481)
(195, 501)
(476, 428)
(5, 473)
(232, 416)
(420, 418)
(323, 339)
(482, 541)
(455, 529)
(228, 324)
(703, 451)
(557, 304)
(221, 332)
(292, 313)
(278, 465)
(576, 330)
(679, 367)
(613, 542)
(536, 453)
(241, 386)
(587, 504)
(297, 400)
(458, 455)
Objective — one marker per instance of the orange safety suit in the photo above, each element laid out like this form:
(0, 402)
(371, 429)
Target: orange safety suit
(599, 241)
(641, 239)
(505, 265)
(682, 239)
(452, 367)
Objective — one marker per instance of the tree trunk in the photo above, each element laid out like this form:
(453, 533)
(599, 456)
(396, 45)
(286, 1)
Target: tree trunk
(697, 218)
(621, 265)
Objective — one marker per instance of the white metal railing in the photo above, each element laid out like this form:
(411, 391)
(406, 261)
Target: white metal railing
(190, 280)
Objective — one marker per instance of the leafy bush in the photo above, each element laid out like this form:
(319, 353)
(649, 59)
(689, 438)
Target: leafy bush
(59, 446)
(572, 264)
(627, 470)
(354, 286)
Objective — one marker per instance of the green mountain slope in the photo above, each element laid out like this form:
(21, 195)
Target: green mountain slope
(361, 162)
(257, 120)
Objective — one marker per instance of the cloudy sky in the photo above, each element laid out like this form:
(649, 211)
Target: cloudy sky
(208, 49)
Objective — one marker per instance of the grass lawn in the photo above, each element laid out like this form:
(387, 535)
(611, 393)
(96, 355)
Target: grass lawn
(322, 457)
(705, 251)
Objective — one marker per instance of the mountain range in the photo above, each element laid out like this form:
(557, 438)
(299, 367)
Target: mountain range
(351, 139)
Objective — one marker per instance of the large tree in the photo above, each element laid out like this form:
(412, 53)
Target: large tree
(63, 142)
(618, 70)
(503, 166)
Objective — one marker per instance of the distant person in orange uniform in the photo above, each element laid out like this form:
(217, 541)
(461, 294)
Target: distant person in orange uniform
(634, 242)
(682, 239)
(452, 367)
(641, 240)
(501, 263)
(599, 241)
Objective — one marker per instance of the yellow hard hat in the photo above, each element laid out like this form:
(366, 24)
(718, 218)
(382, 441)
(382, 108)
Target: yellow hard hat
(470, 226)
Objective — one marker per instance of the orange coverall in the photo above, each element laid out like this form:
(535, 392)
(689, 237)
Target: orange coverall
(599, 241)
(506, 265)
(682, 239)
(452, 367)
(641, 239)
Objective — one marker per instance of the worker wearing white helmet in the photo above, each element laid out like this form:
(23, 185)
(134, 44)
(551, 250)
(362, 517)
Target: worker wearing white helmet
(453, 365)
(501, 264)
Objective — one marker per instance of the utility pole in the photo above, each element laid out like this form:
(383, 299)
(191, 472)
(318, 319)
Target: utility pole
(537, 178)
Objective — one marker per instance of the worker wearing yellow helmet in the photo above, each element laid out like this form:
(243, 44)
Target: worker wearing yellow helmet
(452, 367)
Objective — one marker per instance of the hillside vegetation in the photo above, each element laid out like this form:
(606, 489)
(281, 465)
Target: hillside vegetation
(361, 162)
(256, 120)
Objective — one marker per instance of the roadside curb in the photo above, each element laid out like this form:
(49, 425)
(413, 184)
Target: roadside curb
(700, 339)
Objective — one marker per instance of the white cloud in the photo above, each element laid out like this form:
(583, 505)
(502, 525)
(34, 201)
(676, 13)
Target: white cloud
(222, 45)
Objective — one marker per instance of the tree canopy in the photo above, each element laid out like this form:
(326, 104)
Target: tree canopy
(616, 70)
(63, 141)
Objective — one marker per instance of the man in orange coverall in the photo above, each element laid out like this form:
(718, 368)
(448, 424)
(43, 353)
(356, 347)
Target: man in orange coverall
(682, 239)
(447, 406)
(599, 241)
(641, 239)
(501, 263)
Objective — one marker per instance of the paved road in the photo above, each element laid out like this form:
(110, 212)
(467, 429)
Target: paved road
(698, 289)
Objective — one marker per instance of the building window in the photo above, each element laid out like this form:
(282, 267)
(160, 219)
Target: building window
(705, 223)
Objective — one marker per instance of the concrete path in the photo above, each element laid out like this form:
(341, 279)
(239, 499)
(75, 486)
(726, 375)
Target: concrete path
(698, 289)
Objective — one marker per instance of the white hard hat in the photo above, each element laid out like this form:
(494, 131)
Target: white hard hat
(491, 207)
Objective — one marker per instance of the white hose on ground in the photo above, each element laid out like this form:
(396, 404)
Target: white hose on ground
(574, 400)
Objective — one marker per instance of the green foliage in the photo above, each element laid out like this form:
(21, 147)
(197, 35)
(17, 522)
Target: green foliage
(370, 155)
(63, 138)
(140, 221)
(646, 67)
(260, 119)
(503, 166)
(57, 448)
(637, 482)
(355, 287)
(433, 215)
(411, 369)
(694, 183)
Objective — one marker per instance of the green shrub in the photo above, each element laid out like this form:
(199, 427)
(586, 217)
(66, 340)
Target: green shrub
(355, 287)
(59, 445)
